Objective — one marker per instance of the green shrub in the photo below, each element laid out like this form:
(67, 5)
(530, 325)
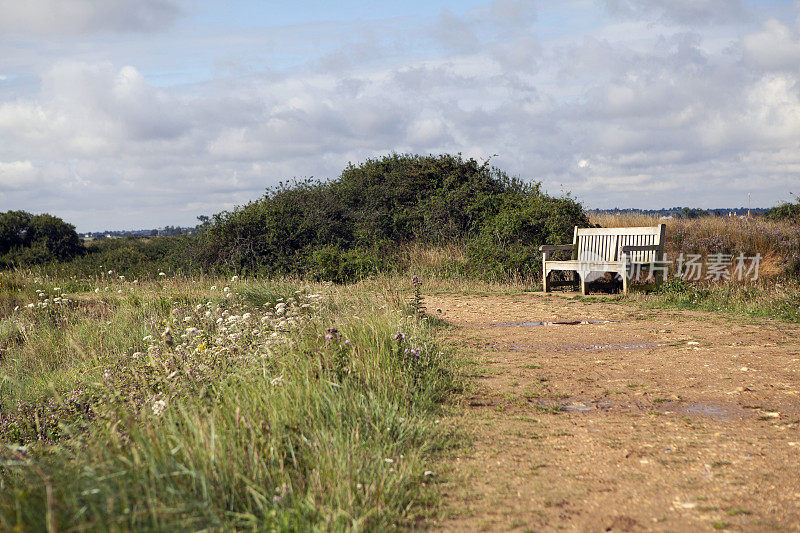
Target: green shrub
(27, 239)
(351, 227)
(786, 211)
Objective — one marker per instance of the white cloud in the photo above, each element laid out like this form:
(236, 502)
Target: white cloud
(86, 16)
(17, 174)
(776, 46)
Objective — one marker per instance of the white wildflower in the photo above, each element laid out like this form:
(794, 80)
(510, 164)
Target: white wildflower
(192, 331)
(110, 272)
(277, 381)
(246, 316)
(97, 291)
(147, 339)
(187, 319)
(159, 406)
(213, 287)
(161, 274)
(226, 289)
(234, 279)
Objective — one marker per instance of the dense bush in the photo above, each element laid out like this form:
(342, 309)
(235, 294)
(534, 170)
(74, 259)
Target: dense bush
(348, 228)
(28, 239)
(786, 211)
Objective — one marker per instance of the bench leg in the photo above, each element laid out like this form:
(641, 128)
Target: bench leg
(624, 283)
(583, 285)
(545, 285)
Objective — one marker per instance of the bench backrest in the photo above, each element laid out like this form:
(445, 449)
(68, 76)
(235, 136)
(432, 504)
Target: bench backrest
(605, 244)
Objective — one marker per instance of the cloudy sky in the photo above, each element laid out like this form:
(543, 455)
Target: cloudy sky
(131, 114)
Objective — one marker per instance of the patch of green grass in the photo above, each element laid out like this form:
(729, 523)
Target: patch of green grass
(309, 415)
(777, 299)
(737, 512)
(719, 524)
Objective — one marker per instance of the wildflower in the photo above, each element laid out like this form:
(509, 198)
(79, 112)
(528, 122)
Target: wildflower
(213, 287)
(187, 319)
(246, 316)
(56, 289)
(400, 337)
(428, 473)
(229, 295)
(161, 274)
(16, 309)
(159, 406)
(97, 291)
(119, 291)
(234, 279)
(277, 381)
(388, 460)
(226, 289)
(192, 331)
(110, 272)
(147, 338)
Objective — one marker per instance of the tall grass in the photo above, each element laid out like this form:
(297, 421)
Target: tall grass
(778, 242)
(279, 407)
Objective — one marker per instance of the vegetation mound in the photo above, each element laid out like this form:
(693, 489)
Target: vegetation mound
(346, 228)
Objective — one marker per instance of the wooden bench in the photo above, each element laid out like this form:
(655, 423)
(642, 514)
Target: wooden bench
(620, 250)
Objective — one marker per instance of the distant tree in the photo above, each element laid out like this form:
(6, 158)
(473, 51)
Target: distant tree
(688, 212)
(30, 239)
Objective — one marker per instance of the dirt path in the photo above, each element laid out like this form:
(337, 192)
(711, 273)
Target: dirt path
(641, 420)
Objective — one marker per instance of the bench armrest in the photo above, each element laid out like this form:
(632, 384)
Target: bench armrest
(546, 249)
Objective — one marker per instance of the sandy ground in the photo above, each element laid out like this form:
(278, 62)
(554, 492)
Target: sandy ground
(634, 420)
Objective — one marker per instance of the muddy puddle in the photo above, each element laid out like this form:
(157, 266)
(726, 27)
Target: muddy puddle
(702, 409)
(552, 323)
(588, 347)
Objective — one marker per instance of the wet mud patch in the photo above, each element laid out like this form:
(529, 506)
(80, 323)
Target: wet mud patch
(537, 323)
(587, 347)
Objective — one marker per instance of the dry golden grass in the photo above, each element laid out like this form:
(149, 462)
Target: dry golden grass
(777, 242)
